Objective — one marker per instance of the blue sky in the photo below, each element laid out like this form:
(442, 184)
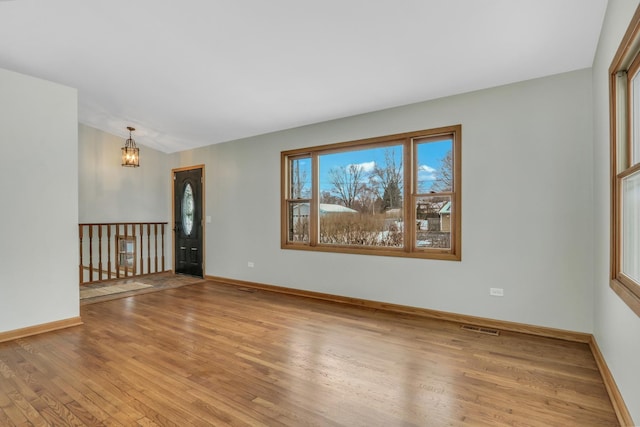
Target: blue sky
(430, 157)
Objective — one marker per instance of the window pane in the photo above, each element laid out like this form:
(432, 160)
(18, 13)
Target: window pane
(300, 173)
(187, 210)
(349, 197)
(298, 222)
(368, 180)
(635, 146)
(361, 195)
(433, 222)
(631, 226)
(434, 166)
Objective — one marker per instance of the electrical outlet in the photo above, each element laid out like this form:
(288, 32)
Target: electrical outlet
(250, 264)
(496, 292)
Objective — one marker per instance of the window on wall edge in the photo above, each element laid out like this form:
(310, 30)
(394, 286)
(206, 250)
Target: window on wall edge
(624, 102)
(394, 195)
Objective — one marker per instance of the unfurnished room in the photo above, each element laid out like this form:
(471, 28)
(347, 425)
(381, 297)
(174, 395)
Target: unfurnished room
(305, 213)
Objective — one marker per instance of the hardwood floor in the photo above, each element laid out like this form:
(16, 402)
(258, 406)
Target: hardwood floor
(158, 281)
(214, 354)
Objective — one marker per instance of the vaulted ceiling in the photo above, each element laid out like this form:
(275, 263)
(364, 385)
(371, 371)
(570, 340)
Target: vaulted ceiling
(190, 73)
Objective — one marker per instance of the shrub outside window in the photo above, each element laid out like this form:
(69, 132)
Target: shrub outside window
(396, 195)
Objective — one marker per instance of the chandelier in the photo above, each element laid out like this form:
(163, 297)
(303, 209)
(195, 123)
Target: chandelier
(130, 153)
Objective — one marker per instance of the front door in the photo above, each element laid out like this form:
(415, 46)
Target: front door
(187, 208)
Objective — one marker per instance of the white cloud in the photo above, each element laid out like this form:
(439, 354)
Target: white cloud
(366, 166)
(426, 173)
(426, 177)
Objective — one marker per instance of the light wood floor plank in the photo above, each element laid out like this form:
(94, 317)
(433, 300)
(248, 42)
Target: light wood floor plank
(211, 354)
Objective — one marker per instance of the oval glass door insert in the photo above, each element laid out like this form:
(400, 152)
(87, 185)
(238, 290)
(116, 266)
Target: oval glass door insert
(187, 210)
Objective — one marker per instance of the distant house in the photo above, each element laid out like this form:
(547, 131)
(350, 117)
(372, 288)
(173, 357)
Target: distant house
(445, 217)
(328, 208)
(435, 216)
(302, 210)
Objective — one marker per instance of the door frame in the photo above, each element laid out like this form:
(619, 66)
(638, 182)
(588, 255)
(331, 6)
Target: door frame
(173, 215)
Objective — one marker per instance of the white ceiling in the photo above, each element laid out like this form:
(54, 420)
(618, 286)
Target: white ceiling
(189, 73)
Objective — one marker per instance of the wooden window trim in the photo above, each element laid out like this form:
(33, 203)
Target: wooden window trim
(408, 142)
(455, 193)
(285, 199)
(626, 60)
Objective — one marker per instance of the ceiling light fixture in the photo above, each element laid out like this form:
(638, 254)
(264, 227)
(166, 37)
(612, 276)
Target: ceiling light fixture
(130, 153)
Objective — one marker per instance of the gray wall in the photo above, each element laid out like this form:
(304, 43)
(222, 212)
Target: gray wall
(527, 218)
(617, 328)
(108, 192)
(39, 190)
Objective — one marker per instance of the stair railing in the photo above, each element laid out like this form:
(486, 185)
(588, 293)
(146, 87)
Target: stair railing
(111, 251)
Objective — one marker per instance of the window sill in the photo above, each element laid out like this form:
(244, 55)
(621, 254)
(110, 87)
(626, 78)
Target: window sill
(629, 297)
(400, 253)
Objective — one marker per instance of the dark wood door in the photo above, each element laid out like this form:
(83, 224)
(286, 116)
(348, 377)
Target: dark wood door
(187, 207)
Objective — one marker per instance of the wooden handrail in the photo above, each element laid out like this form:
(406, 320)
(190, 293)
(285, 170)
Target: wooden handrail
(127, 258)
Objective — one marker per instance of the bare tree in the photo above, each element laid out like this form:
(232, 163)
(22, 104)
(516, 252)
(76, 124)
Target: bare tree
(389, 178)
(327, 197)
(347, 182)
(392, 197)
(368, 199)
(444, 175)
(298, 182)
